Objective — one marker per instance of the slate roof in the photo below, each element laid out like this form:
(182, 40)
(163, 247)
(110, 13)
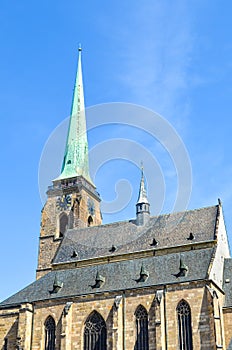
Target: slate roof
(227, 282)
(168, 230)
(118, 276)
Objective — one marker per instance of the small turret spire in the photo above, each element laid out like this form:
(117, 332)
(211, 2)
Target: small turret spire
(142, 205)
(142, 198)
(76, 162)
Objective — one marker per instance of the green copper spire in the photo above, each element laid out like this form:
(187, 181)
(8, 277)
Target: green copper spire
(76, 162)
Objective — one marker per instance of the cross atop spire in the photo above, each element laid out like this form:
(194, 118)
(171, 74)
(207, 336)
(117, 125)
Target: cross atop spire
(76, 162)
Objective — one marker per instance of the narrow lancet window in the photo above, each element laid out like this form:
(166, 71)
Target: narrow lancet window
(141, 317)
(90, 221)
(63, 224)
(184, 326)
(50, 333)
(95, 332)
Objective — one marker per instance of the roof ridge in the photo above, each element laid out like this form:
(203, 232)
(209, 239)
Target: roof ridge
(132, 221)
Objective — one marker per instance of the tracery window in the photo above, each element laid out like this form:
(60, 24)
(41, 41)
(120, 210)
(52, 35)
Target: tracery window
(141, 329)
(50, 333)
(95, 332)
(184, 326)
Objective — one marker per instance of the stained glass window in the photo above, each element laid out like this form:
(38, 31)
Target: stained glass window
(184, 326)
(95, 332)
(141, 317)
(50, 333)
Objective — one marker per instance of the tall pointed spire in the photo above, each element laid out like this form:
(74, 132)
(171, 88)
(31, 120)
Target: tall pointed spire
(76, 162)
(142, 198)
(142, 205)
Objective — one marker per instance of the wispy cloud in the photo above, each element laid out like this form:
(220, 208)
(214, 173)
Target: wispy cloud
(157, 50)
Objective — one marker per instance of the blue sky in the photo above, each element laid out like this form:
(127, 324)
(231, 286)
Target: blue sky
(171, 57)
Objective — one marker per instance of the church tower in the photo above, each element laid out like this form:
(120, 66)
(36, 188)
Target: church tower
(72, 200)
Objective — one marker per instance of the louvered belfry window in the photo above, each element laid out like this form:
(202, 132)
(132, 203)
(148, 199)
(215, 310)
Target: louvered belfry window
(141, 317)
(184, 326)
(95, 332)
(50, 333)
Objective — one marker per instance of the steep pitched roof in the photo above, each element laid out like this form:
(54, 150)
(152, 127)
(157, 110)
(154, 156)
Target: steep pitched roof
(118, 276)
(168, 230)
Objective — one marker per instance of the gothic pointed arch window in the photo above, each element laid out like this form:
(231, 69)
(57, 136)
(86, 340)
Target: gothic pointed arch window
(63, 224)
(50, 333)
(90, 221)
(95, 332)
(184, 326)
(141, 318)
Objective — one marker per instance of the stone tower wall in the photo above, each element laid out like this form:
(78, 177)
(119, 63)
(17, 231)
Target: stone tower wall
(78, 216)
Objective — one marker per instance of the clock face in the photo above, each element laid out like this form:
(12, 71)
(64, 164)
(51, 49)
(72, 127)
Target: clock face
(63, 202)
(91, 207)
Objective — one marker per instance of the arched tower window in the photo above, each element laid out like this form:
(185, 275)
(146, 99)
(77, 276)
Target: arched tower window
(184, 326)
(141, 317)
(63, 224)
(5, 346)
(90, 220)
(50, 333)
(95, 332)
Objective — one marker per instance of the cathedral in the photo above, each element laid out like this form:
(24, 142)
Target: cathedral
(168, 288)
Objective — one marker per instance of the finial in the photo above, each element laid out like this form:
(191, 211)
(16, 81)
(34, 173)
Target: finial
(80, 48)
